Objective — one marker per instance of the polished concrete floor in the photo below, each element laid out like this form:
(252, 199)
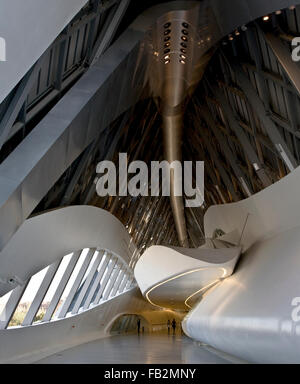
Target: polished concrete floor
(155, 348)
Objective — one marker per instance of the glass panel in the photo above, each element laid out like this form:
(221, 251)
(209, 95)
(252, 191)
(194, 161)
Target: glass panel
(72, 278)
(27, 298)
(52, 288)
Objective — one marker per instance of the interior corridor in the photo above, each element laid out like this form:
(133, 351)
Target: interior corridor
(155, 348)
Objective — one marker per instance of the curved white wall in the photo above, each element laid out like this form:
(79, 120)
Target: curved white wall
(269, 212)
(29, 27)
(249, 315)
(45, 238)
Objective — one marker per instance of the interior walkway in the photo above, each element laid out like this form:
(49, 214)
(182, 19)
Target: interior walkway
(155, 348)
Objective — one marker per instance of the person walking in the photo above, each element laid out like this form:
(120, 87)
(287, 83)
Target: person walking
(169, 326)
(139, 325)
(174, 326)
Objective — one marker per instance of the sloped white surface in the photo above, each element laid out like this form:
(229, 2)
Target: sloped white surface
(29, 27)
(175, 274)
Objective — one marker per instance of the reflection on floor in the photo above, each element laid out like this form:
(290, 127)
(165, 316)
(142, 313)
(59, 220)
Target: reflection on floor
(155, 348)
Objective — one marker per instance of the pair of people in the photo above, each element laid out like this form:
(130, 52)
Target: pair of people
(168, 324)
(173, 326)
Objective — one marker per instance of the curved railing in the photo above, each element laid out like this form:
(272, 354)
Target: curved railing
(173, 277)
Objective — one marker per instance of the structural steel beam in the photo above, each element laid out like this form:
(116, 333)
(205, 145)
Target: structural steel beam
(61, 286)
(113, 262)
(12, 305)
(284, 57)
(229, 154)
(17, 103)
(45, 147)
(39, 297)
(251, 154)
(223, 173)
(66, 304)
(269, 125)
(96, 283)
(87, 282)
(113, 278)
(118, 282)
(111, 29)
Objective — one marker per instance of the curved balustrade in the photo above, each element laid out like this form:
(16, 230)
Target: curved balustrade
(173, 277)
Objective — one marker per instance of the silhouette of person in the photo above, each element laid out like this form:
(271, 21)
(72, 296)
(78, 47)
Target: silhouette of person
(174, 326)
(139, 325)
(169, 326)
